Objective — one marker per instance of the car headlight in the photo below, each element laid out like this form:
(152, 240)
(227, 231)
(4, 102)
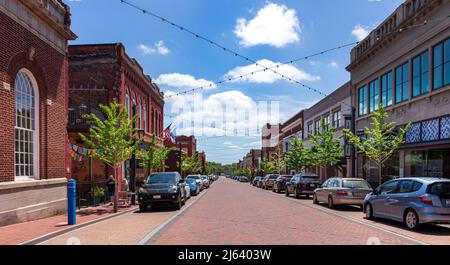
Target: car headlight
(173, 189)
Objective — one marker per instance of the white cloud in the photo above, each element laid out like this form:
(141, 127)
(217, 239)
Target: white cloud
(158, 47)
(360, 32)
(333, 64)
(274, 25)
(183, 81)
(269, 76)
(229, 113)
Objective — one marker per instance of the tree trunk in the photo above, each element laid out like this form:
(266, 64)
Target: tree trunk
(379, 174)
(116, 199)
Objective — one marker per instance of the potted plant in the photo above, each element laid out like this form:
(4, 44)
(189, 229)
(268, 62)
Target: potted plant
(98, 193)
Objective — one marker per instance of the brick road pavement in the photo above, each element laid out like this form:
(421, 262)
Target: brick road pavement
(127, 229)
(236, 213)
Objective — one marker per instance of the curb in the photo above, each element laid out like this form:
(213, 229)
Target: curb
(51, 235)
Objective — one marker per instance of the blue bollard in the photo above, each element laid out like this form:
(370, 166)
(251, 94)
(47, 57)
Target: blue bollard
(71, 201)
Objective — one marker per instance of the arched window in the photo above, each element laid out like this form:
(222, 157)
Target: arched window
(140, 115)
(26, 150)
(127, 103)
(145, 119)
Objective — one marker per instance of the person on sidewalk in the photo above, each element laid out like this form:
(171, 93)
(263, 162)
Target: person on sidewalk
(125, 184)
(111, 186)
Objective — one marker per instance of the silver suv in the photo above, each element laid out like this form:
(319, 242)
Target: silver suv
(413, 201)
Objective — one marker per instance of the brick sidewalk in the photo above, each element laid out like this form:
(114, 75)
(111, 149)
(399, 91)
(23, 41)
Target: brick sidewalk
(22, 232)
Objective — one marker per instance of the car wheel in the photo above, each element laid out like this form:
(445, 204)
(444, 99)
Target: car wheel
(411, 219)
(330, 202)
(315, 201)
(369, 212)
(178, 203)
(143, 207)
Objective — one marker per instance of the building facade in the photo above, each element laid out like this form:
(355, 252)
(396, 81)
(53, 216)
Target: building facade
(291, 129)
(404, 64)
(252, 161)
(33, 98)
(270, 136)
(100, 74)
(334, 110)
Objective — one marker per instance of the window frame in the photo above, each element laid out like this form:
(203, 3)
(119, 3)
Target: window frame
(441, 65)
(364, 103)
(403, 83)
(374, 86)
(422, 72)
(390, 85)
(35, 128)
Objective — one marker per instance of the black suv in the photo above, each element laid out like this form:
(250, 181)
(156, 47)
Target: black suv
(302, 184)
(162, 188)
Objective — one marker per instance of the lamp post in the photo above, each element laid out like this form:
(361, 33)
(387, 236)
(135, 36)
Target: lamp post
(140, 135)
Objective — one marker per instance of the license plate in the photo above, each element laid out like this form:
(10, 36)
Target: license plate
(156, 197)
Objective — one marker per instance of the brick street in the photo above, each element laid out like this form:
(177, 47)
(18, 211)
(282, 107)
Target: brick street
(237, 213)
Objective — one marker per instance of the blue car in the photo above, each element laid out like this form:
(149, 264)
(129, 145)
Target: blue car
(194, 186)
(413, 201)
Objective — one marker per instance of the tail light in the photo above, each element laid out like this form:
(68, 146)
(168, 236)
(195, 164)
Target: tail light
(342, 193)
(426, 200)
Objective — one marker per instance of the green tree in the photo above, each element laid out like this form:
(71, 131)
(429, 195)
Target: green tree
(298, 157)
(279, 164)
(380, 141)
(154, 158)
(191, 165)
(112, 138)
(267, 167)
(327, 149)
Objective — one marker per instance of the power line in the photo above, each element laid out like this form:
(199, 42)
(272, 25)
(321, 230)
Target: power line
(238, 77)
(213, 43)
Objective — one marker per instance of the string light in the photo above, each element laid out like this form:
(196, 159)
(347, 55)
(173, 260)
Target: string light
(234, 53)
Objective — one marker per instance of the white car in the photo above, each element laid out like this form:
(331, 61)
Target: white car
(206, 182)
(188, 191)
(198, 179)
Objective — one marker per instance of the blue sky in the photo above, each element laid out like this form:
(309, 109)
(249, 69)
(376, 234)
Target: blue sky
(272, 32)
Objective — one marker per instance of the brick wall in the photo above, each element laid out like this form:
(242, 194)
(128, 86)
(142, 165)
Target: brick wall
(21, 49)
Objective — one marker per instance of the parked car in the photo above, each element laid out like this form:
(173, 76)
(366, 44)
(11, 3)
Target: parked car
(302, 184)
(256, 180)
(243, 179)
(267, 182)
(339, 191)
(188, 190)
(162, 188)
(198, 179)
(279, 184)
(194, 186)
(413, 201)
(206, 182)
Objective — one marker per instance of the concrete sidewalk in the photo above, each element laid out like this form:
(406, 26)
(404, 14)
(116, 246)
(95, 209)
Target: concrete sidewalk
(23, 232)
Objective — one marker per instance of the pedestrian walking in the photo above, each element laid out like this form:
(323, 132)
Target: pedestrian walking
(111, 186)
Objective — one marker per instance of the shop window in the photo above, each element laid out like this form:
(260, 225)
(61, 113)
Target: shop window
(445, 128)
(413, 134)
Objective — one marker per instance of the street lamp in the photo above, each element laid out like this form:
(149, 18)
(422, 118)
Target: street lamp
(140, 134)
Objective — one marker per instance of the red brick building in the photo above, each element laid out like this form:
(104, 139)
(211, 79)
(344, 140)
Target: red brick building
(33, 98)
(101, 73)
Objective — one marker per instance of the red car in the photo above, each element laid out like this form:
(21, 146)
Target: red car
(268, 181)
